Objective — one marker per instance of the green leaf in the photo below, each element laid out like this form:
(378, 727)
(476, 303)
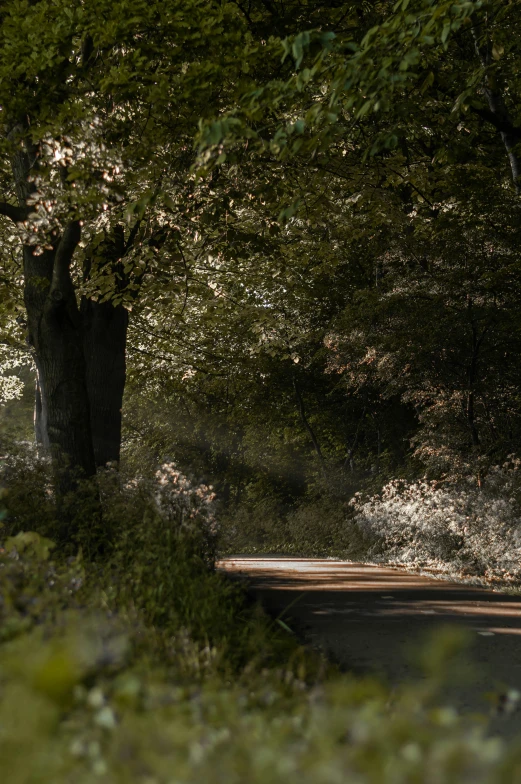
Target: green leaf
(497, 51)
(30, 542)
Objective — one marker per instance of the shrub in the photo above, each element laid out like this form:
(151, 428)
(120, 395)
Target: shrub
(162, 564)
(318, 526)
(101, 679)
(322, 527)
(459, 525)
(33, 588)
(27, 494)
(252, 527)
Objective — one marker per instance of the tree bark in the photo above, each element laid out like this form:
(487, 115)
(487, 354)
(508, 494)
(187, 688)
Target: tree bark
(104, 341)
(79, 351)
(104, 344)
(40, 415)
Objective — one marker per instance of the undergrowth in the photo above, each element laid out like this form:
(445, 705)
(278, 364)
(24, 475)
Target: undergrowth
(457, 526)
(469, 526)
(148, 666)
(318, 527)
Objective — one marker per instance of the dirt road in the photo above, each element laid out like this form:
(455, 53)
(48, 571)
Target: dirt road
(370, 619)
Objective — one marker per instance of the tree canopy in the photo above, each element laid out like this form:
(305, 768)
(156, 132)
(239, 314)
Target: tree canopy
(292, 226)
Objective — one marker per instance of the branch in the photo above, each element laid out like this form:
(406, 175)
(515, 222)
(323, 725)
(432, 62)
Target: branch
(17, 214)
(271, 8)
(500, 123)
(132, 236)
(308, 427)
(351, 452)
(173, 358)
(510, 135)
(244, 12)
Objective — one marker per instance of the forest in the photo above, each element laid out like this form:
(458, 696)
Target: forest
(261, 284)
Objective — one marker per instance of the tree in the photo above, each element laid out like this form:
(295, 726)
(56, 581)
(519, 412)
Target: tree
(414, 114)
(98, 118)
(99, 109)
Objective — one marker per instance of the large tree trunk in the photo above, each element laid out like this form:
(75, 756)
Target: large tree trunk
(55, 333)
(80, 353)
(80, 356)
(104, 341)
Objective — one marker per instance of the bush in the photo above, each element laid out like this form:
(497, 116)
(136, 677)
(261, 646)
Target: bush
(255, 527)
(162, 565)
(147, 666)
(323, 527)
(319, 526)
(27, 493)
(456, 525)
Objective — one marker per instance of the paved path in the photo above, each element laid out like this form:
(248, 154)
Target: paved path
(371, 618)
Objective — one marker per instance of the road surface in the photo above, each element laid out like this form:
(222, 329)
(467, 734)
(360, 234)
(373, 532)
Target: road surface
(372, 619)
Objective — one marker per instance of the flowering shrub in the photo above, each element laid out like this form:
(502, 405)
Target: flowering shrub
(163, 549)
(462, 525)
(169, 505)
(183, 503)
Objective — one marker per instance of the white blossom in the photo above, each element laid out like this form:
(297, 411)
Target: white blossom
(461, 525)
